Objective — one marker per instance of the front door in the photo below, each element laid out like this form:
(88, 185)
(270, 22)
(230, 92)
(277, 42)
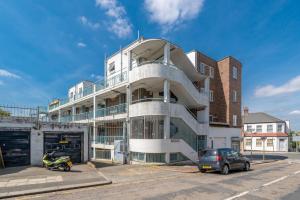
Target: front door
(281, 144)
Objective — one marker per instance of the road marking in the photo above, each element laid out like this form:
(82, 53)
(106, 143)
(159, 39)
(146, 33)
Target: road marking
(275, 181)
(238, 195)
(297, 172)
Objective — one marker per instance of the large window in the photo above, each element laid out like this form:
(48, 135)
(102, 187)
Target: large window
(234, 118)
(248, 142)
(258, 128)
(269, 128)
(202, 68)
(249, 128)
(155, 157)
(234, 72)
(279, 128)
(269, 142)
(234, 96)
(147, 127)
(211, 96)
(137, 156)
(211, 72)
(258, 142)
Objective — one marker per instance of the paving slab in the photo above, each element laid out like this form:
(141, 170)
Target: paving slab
(34, 180)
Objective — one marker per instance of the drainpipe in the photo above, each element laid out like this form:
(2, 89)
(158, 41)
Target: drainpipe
(94, 125)
(129, 99)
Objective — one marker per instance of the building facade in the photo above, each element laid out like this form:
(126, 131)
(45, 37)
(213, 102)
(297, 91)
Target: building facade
(155, 105)
(263, 132)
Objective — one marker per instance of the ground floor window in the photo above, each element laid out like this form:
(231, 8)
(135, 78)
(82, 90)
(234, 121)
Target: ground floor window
(147, 127)
(258, 142)
(177, 157)
(156, 157)
(148, 157)
(103, 154)
(269, 142)
(137, 156)
(248, 142)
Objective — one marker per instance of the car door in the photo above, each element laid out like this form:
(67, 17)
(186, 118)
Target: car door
(233, 159)
(230, 157)
(239, 162)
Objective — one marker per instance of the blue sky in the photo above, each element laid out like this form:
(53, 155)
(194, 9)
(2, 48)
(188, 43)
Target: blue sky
(47, 46)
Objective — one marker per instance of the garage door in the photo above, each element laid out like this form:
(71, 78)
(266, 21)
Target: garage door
(64, 144)
(15, 146)
(219, 142)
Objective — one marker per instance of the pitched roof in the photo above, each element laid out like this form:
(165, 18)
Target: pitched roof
(260, 117)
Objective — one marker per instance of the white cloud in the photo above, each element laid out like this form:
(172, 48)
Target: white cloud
(169, 13)
(81, 44)
(84, 21)
(119, 24)
(5, 73)
(292, 85)
(97, 77)
(295, 112)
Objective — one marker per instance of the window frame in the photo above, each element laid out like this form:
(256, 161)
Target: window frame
(270, 130)
(234, 72)
(211, 96)
(234, 120)
(256, 129)
(234, 96)
(211, 72)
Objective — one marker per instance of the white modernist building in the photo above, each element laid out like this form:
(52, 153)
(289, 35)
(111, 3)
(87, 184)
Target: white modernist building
(147, 108)
(265, 132)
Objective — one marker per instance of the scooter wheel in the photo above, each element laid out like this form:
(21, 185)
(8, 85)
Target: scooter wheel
(67, 168)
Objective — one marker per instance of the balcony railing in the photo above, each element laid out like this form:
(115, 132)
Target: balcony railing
(84, 116)
(121, 108)
(100, 85)
(109, 140)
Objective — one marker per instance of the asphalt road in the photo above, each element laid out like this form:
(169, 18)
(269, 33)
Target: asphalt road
(279, 180)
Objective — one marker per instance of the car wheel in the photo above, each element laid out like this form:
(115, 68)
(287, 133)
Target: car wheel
(202, 170)
(247, 166)
(225, 170)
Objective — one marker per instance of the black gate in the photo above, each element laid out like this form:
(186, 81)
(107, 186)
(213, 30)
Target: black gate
(64, 144)
(15, 146)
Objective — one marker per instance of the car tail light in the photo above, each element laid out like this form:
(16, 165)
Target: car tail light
(218, 158)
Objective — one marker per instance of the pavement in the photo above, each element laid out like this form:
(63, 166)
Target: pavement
(19, 181)
(268, 181)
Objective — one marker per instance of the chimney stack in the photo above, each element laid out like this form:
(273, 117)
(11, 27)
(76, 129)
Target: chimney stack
(246, 110)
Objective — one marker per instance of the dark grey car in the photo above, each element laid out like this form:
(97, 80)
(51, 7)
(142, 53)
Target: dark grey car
(223, 160)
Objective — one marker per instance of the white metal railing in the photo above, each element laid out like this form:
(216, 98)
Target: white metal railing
(99, 85)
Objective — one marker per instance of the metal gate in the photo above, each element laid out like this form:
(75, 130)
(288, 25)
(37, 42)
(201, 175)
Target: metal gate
(15, 146)
(64, 144)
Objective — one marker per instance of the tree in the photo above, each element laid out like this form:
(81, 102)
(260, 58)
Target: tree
(4, 113)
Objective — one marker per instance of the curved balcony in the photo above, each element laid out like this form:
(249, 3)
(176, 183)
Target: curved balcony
(155, 108)
(180, 83)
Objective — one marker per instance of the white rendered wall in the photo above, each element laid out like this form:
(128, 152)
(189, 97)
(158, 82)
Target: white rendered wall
(274, 148)
(265, 125)
(217, 133)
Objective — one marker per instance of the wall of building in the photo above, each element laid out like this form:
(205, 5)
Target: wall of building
(222, 84)
(275, 147)
(218, 134)
(265, 126)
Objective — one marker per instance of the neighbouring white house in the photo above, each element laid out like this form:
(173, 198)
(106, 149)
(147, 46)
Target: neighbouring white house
(153, 105)
(265, 132)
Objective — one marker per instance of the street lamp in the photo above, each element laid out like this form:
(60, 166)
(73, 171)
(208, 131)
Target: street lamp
(263, 140)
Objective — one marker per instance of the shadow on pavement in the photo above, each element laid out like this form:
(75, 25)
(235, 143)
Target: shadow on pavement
(267, 157)
(102, 164)
(13, 170)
